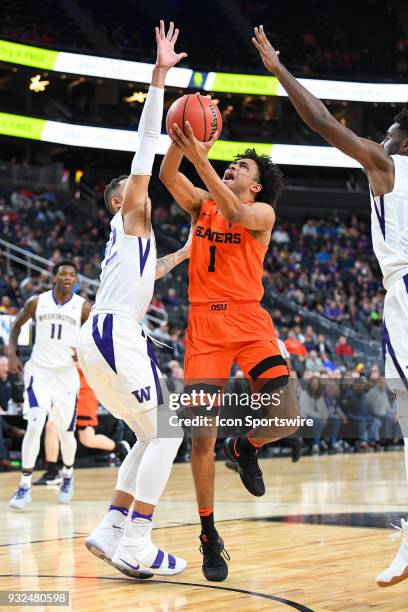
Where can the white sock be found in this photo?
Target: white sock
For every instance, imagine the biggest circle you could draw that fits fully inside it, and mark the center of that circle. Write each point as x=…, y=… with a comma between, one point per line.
x=67, y=472
x=138, y=527
x=114, y=517
x=25, y=481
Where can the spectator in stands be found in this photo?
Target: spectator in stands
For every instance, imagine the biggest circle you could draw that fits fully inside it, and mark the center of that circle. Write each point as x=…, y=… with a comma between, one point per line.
x=171, y=298
x=322, y=346
x=294, y=346
x=5, y=428
x=313, y=362
x=378, y=404
x=5, y=384
x=368, y=427
x=161, y=333
x=312, y=405
x=280, y=236
x=375, y=373
x=328, y=364
x=6, y=306
x=310, y=339
x=333, y=311
x=336, y=417
x=309, y=229
x=343, y=348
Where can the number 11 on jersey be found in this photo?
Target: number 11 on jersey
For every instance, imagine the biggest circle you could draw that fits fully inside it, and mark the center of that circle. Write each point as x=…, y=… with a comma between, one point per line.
x=56, y=331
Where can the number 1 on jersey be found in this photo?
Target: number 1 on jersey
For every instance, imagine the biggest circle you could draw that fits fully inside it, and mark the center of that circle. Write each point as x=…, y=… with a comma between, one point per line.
x=54, y=327
x=211, y=267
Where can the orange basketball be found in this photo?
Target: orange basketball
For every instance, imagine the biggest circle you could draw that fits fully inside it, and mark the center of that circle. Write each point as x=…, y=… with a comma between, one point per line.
x=202, y=114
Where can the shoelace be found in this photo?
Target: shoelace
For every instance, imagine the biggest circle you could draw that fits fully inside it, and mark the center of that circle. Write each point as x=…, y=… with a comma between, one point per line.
x=400, y=532
x=21, y=492
x=215, y=549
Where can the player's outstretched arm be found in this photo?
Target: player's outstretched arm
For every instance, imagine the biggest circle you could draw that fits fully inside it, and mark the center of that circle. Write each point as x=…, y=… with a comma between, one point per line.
x=315, y=114
x=259, y=216
x=168, y=262
x=85, y=311
x=25, y=314
x=181, y=188
x=135, y=194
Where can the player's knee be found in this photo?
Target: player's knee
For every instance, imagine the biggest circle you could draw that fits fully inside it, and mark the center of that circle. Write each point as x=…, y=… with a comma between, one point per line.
x=50, y=427
x=284, y=404
x=36, y=420
x=203, y=446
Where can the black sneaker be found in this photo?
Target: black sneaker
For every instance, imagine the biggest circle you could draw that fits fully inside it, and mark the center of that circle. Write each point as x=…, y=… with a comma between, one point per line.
x=297, y=449
x=214, y=557
x=248, y=468
x=49, y=478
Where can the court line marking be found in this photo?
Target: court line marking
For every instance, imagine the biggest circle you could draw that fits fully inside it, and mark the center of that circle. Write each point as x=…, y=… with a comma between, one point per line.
x=286, y=602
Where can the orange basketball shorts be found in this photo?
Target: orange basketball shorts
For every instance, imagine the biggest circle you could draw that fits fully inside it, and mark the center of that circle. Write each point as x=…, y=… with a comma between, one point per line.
x=222, y=333
x=87, y=405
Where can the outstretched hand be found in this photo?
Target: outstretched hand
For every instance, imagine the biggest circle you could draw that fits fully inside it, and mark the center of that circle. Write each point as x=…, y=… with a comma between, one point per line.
x=269, y=56
x=166, y=55
x=195, y=150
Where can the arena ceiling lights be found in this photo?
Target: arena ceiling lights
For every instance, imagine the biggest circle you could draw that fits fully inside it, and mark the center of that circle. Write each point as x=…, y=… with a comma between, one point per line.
x=125, y=70
x=125, y=140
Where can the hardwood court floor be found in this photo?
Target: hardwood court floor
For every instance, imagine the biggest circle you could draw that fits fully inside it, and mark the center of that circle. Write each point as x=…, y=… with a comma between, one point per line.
x=315, y=541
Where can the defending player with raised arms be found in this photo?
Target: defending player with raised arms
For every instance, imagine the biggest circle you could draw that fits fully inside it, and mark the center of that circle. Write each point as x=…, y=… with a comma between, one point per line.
x=50, y=376
x=386, y=166
x=117, y=360
x=234, y=221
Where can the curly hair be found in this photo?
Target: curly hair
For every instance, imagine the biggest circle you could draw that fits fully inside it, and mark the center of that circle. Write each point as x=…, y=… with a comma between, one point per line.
x=270, y=176
x=402, y=120
x=110, y=190
x=64, y=262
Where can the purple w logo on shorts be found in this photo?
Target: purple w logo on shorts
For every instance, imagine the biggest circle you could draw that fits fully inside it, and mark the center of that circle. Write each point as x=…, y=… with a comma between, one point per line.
x=142, y=395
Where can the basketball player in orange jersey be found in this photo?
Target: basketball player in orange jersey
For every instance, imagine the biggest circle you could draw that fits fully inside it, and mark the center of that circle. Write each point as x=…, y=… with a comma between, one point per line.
x=233, y=225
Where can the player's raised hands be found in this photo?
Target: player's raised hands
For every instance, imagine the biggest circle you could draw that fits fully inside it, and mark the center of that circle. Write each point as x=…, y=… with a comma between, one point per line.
x=166, y=55
x=269, y=56
x=193, y=149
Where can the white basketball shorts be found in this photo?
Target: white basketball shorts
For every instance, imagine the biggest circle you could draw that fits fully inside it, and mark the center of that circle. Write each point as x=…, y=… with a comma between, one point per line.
x=55, y=389
x=394, y=340
x=121, y=368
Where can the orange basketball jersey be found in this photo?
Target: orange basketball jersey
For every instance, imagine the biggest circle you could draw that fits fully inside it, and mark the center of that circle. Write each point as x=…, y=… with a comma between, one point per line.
x=226, y=262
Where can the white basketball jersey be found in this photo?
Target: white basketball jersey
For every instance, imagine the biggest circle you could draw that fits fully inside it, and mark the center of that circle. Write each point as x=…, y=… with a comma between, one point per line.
x=56, y=331
x=389, y=225
x=128, y=273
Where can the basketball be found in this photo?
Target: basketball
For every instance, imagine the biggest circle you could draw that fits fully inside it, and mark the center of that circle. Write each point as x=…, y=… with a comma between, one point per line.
x=202, y=114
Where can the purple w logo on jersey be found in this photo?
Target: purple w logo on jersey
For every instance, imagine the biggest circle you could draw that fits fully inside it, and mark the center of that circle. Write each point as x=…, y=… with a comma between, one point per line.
x=142, y=395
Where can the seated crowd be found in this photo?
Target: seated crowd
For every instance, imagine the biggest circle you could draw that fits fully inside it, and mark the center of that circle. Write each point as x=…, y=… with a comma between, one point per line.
x=325, y=266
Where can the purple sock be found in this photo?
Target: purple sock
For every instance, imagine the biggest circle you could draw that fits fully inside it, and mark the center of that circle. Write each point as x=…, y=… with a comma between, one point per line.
x=124, y=511
x=140, y=515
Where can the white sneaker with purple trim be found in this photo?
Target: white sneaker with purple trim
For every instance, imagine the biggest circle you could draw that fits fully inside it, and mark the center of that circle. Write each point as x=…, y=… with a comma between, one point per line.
x=398, y=570
x=136, y=553
x=21, y=498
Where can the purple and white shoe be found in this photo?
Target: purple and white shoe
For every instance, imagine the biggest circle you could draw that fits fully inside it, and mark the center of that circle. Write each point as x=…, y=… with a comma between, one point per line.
x=136, y=554
x=21, y=498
